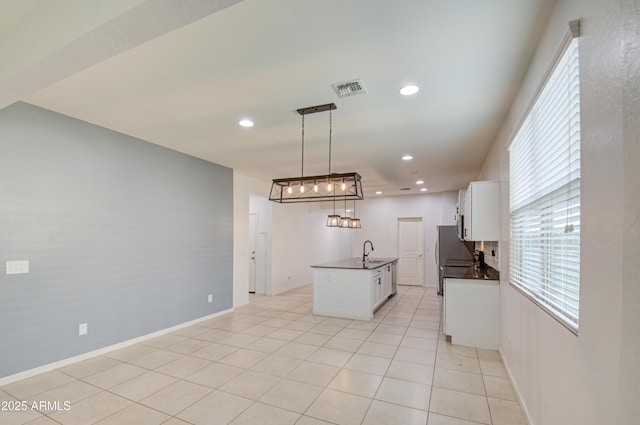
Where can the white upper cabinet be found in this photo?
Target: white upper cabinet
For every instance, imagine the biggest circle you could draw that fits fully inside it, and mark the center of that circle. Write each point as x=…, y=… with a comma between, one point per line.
x=460, y=206
x=482, y=211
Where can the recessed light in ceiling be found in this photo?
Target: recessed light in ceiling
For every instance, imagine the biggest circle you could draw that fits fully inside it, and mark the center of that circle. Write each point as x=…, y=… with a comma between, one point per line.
x=407, y=158
x=423, y=189
x=378, y=192
x=409, y=90
x=245, y=123
x=420, y=182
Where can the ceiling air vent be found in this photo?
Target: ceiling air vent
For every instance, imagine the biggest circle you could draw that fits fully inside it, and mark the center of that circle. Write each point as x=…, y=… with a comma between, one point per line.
x=349, y=88
x=405, y=188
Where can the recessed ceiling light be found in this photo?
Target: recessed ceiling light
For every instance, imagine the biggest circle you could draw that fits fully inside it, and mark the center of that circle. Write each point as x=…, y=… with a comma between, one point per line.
x=407, y=158
x=409, y=90
x=246, y=123
x=378, y=192
x=420, y=182
x=423, y=189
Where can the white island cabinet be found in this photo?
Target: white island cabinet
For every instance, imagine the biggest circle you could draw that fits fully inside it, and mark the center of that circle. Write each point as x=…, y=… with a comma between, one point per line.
x=351, y=289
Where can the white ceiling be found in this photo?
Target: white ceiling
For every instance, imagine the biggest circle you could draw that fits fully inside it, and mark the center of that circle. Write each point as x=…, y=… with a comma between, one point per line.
x=187, y=89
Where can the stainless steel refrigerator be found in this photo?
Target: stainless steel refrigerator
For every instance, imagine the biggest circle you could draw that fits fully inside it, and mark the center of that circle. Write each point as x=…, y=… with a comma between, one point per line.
x=451, y=252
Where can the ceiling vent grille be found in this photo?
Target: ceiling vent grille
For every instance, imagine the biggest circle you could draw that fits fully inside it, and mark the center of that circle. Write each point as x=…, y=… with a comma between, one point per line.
x=349, y=88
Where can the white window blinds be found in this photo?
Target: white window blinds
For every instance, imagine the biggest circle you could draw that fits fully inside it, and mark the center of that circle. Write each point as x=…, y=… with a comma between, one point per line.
x=544, y=256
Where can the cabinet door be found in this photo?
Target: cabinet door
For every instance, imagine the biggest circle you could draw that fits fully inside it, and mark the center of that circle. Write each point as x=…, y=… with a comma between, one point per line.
x=467, y=214
x=375, y=296
x=482, y=211
x=472, y=309
x=444, y=307
x=460, y=207
x=380, y=288
x=387, y=280
x=376, y=288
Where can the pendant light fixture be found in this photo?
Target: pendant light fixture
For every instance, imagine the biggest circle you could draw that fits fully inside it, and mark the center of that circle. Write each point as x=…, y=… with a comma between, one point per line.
x=345, y=222
x=355, y=222
x=333, y=220
x=313, y=188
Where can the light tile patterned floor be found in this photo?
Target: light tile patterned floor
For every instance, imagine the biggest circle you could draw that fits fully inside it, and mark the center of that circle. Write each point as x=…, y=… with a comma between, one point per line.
x=273, y=362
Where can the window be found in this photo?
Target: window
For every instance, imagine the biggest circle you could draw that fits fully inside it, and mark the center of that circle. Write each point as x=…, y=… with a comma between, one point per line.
x=544, y=162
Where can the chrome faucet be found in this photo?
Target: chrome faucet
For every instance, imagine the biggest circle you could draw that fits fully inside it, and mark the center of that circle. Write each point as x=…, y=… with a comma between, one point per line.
x=364, y=254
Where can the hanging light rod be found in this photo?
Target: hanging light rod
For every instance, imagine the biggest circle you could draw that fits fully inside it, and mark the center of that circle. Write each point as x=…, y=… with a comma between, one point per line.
x=318, y=188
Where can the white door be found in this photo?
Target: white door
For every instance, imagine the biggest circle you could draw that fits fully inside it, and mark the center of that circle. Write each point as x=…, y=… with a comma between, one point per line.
x=410, y=251
x=253, y=248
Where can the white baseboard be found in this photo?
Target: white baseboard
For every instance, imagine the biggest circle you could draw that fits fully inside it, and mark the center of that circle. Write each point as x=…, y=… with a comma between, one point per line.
x=523, y=406
x=70, y=360
x=290, y=288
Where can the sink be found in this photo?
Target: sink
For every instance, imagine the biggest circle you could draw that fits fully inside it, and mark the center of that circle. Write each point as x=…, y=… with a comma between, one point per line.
x=373, y=261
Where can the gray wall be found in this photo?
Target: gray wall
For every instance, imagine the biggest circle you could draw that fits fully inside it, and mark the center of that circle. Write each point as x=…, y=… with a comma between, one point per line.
x=124, y=235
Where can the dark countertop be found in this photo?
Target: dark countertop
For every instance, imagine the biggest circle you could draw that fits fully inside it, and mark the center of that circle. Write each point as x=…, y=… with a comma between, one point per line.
x=488, y=273
x=356, y=264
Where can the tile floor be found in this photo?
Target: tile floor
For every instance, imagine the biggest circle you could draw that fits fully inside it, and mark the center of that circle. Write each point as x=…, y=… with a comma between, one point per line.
x=273, y=362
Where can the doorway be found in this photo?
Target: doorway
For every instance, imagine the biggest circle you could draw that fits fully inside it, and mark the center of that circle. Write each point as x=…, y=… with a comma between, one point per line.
x=410, y=251
x=253, y=249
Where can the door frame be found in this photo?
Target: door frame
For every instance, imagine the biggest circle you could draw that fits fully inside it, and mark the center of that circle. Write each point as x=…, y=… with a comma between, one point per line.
x=253, y=251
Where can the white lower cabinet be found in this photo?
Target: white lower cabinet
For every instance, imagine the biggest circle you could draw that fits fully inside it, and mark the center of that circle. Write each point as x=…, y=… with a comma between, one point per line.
x=471, y=312
x=378, y=295
x=388, y=279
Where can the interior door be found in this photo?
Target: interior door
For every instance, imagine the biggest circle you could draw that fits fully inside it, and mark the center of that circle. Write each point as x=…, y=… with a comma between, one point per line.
x=253, y=248
x=410, y=251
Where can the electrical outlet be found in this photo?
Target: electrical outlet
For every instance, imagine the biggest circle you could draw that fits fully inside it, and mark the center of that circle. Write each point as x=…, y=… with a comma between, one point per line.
x=17, y=267
x=83, y=329
x=210, y=298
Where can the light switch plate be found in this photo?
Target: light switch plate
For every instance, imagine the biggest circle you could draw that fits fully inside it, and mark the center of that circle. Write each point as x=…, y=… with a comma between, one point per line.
x=17, y=267
x=82, y=329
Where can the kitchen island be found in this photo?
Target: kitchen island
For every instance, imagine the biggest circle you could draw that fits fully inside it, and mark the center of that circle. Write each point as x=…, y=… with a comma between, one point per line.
x=352, y=288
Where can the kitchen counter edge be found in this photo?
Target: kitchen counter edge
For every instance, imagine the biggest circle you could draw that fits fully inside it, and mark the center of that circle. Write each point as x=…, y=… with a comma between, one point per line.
x=487, y=273
x=356, y=264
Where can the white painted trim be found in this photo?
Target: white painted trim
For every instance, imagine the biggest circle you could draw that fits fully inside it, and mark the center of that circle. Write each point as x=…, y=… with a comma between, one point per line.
x=287, y=289
x=70, y=360
x=247, y=302
x=523, y=406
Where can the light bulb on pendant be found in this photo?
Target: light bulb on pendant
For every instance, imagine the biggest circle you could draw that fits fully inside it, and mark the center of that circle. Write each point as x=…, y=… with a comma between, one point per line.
x=289, y=189
x=355, y=222
x=315, y=186
x=301, y=188
x=343, y=186
x=329, y=187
